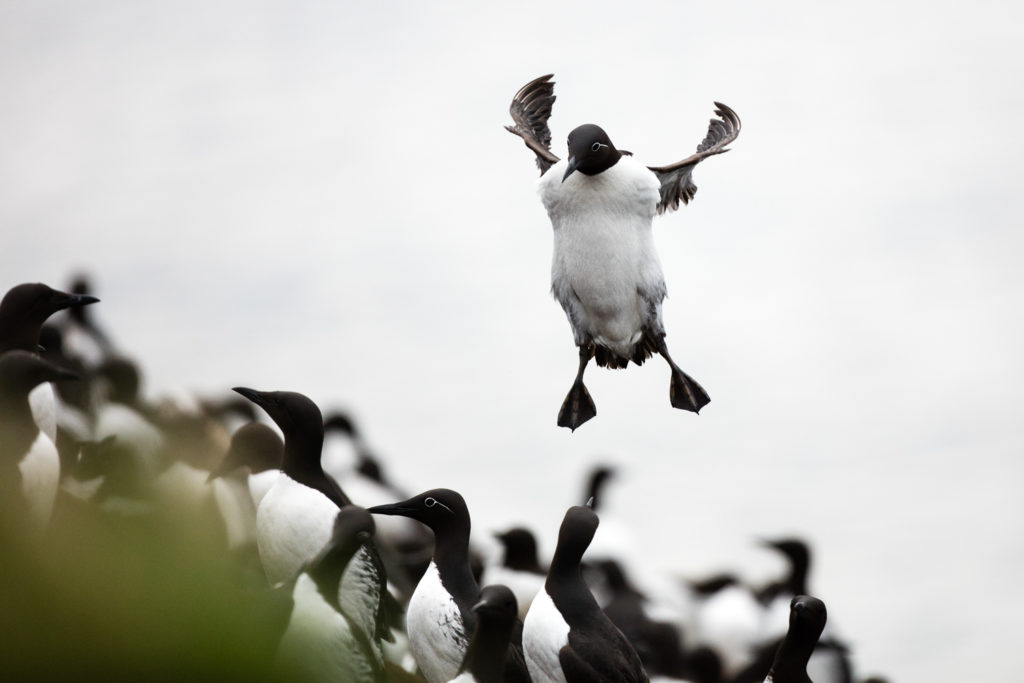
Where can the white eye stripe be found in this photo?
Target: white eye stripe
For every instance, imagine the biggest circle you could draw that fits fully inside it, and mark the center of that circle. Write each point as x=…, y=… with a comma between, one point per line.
x=597, y=146
x=431, y=502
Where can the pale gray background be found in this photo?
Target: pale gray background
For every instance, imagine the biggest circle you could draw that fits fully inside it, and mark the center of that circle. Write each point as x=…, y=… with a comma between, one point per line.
x=320, y=197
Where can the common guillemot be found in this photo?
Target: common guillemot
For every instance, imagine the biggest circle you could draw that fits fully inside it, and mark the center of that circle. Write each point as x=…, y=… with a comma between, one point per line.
x=566, y=636
x=605, y=271
x=440, y=617
x=295, y=518
x=807, y=618
x=324, y=640
x=29, y=463
x=496, y=614
x=23, y=310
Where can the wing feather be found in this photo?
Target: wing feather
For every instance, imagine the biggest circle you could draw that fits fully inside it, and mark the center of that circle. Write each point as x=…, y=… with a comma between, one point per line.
x=530, y=110
x=676, y=179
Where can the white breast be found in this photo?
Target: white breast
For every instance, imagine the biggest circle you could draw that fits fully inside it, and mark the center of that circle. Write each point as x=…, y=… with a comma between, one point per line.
x=261, y=483
x=293, y=524
x=604, y=250
x=545, y=633
x=730, y=622
x=436, y=634
x=40, y=477
x=318, y=643
x=236, y=509
x=43, y=401
x=132, y=429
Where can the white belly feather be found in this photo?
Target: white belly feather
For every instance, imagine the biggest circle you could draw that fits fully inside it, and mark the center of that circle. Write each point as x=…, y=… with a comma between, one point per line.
x=545, y=633
x=437, y=636
x=605, y=269
x=293, y=524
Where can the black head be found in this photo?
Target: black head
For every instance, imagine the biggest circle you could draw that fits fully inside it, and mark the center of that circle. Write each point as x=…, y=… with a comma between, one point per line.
x=590, y=151
x=497, y=604
x=599, y=476
x=577, y=531
x=256, y=446
x=293, y=412
x=21, y=371
x=25, y=308
x=437, y=508
x=520, y=548
x=341, y=423
x=794, y=549
x=353, y=526
x=122, y=378
x=807, y=617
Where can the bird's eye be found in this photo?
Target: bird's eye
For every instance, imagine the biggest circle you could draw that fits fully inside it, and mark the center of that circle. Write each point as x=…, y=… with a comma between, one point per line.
x=596, y=147
x=432, y=502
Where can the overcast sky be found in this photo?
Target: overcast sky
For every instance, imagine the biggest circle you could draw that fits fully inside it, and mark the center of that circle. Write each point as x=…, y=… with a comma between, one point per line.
x=320, y=197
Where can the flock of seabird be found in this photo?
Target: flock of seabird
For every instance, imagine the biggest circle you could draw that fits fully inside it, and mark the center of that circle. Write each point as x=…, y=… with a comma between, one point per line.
x=374, y=584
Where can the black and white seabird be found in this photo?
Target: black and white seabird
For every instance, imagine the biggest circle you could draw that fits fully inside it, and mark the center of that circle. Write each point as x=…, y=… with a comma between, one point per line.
x=257, y=450
x=23, y=310
x=295, y=519
x=807, y=617
x=440, y=617
x=324, y=641
x=29, y=463
x=496, y=614
x=566, y=636
x=253, y=461
x=605, y=271
x=519, y=569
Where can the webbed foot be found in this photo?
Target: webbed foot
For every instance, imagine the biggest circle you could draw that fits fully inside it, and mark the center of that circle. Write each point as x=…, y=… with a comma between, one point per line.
x=685, y=393
x=577, y=408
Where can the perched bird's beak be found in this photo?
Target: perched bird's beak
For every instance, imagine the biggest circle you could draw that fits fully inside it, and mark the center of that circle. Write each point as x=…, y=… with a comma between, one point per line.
x=573, y=164
x=75, y=301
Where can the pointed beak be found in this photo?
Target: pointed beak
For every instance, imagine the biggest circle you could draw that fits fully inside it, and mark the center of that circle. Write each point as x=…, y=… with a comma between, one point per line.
x=76, y=300
x=570, y=168
x=251, y=394
x=58, y=374
x=399, y=509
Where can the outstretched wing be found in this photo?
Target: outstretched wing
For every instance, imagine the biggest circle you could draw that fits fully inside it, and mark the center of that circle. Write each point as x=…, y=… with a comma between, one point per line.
x=530, y=110
x=676, y=181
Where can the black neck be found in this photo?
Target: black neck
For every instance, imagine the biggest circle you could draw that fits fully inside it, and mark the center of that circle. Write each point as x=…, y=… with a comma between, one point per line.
x=487, y=652
x=451, y=555
x=301, y=462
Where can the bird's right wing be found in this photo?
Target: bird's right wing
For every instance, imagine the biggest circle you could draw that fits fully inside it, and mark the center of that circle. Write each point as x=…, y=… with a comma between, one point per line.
x=530, y=110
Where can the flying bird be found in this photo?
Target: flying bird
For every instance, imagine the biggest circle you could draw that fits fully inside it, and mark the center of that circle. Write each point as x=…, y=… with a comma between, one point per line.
x=605, y=271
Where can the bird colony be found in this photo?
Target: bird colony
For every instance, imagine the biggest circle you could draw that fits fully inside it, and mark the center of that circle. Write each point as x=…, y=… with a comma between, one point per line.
x=209, y=537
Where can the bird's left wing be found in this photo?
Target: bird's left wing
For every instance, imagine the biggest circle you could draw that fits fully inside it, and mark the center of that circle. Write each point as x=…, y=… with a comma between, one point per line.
x=676, y=181
x=530, y=110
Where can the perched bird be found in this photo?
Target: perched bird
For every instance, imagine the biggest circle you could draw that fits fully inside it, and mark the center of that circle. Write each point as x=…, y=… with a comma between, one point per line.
x=243, y=477
x=519, y=569
x=605, y=271
x=658, y=644
x=777, y=595
x=323, y=640
x=295, y=519
x=807, y=617
x=23, y=310
x=488, y=648
x=440, y=617
x=29, y=463
x=255, y=451
x=566, y=636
